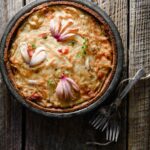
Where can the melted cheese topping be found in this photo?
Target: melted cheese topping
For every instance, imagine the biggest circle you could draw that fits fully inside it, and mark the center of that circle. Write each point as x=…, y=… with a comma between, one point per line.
x=86, y=57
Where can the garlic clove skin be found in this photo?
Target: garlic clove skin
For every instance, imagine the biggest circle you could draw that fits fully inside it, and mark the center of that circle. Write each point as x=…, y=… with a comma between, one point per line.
x=24, y=52
x=38, y=57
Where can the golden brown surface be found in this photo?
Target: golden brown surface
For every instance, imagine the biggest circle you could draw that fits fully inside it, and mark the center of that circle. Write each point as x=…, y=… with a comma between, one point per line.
x=82, y=52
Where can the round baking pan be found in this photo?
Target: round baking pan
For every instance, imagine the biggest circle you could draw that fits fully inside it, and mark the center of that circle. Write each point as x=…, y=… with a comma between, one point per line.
x=105, y=20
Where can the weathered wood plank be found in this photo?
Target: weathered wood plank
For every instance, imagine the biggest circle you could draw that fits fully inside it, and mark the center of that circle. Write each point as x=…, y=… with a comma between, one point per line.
x=72, y=134
x=118, y=10
x=139, y=55
x=29, y=1
x=10, y=111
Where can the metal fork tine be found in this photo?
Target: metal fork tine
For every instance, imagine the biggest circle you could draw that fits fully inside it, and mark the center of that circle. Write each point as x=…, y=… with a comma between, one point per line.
x=117, y=134
x=107, y=133
x=93, y=119
x=96, y=119
x=110, y=135
x=101, y=123
x=114, y=132
x=105, y=126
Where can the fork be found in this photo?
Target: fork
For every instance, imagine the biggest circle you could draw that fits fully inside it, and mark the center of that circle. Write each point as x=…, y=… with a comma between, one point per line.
x=108, y=117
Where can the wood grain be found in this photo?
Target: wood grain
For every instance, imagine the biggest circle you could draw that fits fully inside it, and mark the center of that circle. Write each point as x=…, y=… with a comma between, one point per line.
x=72, y=134
x=10, y=111
x=139, y=54
x=29, y=1
x=31, y=131
x=118, y=10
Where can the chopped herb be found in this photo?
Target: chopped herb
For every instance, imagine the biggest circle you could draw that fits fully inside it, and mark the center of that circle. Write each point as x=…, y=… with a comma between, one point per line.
x=84, y=47
x=33, y=46
x=84, y=41
x=72, y=43
x=78, y=55
x=83, y=51
x=50, y=82
x=48, y=59
x=45, y=37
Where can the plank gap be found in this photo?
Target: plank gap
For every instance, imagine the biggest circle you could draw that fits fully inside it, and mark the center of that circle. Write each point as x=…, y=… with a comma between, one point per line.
x=23, y=2
x=128, y=46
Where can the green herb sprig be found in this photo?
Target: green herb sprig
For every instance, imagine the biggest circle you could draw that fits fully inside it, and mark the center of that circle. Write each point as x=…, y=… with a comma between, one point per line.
x=33, y=46
x=72, y=43
x=82, y=53
x=50, y=82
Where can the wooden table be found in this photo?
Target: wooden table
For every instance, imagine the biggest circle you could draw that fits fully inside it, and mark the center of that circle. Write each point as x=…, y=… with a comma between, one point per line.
x=21, y=129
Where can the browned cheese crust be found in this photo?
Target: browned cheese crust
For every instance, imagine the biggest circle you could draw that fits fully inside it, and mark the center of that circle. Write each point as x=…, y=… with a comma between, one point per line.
x=62, y=58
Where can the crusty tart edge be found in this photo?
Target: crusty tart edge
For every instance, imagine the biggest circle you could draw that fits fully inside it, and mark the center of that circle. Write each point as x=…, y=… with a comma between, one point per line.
x=99, y=92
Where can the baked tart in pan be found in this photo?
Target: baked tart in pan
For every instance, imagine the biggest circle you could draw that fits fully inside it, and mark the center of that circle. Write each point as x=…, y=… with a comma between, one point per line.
x=60, y=56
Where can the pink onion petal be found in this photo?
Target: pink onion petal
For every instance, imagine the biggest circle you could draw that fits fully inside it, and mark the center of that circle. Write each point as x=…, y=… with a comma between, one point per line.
x=65, y=87
x=64, y=37
x=38, y=57
x=24, y=52
x=63, y=93
x=74, y=85
x=59, y=31
x=38, y=50
x=59, y=90
x=68, y=88
x=72, y=30
x=64, y=27
x=66, y=94
x=52, y=26
x=58, y=28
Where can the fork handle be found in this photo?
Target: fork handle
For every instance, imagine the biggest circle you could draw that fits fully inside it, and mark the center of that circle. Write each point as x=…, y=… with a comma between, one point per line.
x=140, y=73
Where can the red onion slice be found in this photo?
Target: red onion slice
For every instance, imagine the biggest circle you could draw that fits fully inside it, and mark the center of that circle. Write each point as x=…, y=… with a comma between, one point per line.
x=24, y=52
x=65, y=88
x=74, y=85
x=38, y=57
x=60, y=31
